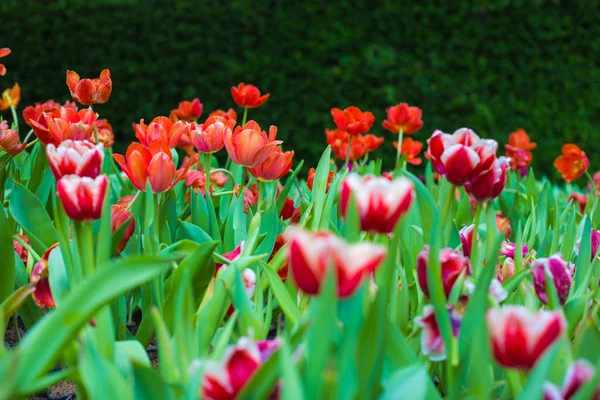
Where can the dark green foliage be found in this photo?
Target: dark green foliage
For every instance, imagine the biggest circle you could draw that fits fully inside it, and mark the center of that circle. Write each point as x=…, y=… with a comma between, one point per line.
x=494, y=67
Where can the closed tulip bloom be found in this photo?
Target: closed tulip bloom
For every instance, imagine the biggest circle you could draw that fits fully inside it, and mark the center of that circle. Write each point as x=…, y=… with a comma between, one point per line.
x=210, y=136
x=310, y=255
x=466, y=239
x=78, y=157
x=519, y=337
x=9, y=140
x=226, y=115
x=460, y=156
x=105, y=132
x=153, y=164
x=572, y=163
x=161, y=129
x=63, y=124
x=410, y=150
x=380, y=203
x=579, y=373
x=249, y=146
x=42, y=295
x=561, y=273
x=120, y=216
x=3, y=53
x=82, y=197
x=21, y=251
x=432, y=343
x=489, y=184
x=187, y=111
x=248, y=96
x=352, y=120
x=290, y=211
x=90, y=91
x=277, y=164
x=311, y=179
x=453, y=264
x=403, y=118
x=10, y=97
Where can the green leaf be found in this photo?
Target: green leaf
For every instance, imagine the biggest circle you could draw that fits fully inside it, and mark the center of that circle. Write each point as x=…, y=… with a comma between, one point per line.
x=15, y=300
x=411, y=382
x=287, y=304
x=288, y=186
x=7, y=267
x=319, y=187
x=535, y=384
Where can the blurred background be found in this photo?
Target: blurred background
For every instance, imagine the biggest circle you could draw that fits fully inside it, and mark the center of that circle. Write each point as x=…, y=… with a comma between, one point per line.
x=494, y=67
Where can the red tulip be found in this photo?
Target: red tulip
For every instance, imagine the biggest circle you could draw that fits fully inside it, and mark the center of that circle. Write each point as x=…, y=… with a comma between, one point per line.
x=210, y=136
x=248, y=96
x=453, y=264
x=82, y=197
x=311, y=179
x=561, y=273
x=274, y=167
x=310, y=255
x=227, y=115
x=196, y=179
x=64, y=124
x=460, y=156
x=3, y=53
x=187, y=111
x=489, y=184
x=231, y=256
x=154, y=164
x=572, y=163
x=410, y=150
x=35, y=112
x=579, y=373
x=161, y=129
x=10, y=97
x=21, y=251
x=105, y=133
x=519, y=337
x=9, y=140
x=249, y=146
x=518, y=150
x=119, y=216
x=580, y=199
x=78, y=157
x=403, y=118
x=432, y=343
x=42, y=295
x=279, y=243
x=90, y=91
x=380, y=203
x=352, y=120
x=360, y=146
x=290, y=211
x=466, y=239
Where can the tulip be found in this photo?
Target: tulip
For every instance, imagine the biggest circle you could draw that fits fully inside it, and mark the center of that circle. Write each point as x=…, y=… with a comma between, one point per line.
x=561, y=273
x=120, y=216
x=10, y=97
x=210, y=136
x=249, y=146
x=42, y=295
x=310, y=255
x=248, y=96
x=453, y=264
x=410, y=150
x=9, y=140
x=161, y=129
x=21, y=251
x=225, y=379
x=290, y=211
x=496, y=290
x=78, y=157
x=489, y=184
x=277, y=164
x=154, y=164
x=82, y=197
x=580, y=199
x=403, y=118
x=360, y=146
x=65, y=123
x=105, y=133
x=508, y=249
x=187, y=111
x=518, y=150
x=231, y=256
x=196, y=180
x=432, y=343
x=227, y=115
x=503, y=225
x=352, y=120
x=380, y=203
x=279, y=243
x=90, y=91
x=466, y=239
x=460, y=156
x=519, y=337
x=506, y=269
x=126, y=201
x=311, y=179
x=579, y=373
x=35, y=112
x=572, y=163
x=3, y=53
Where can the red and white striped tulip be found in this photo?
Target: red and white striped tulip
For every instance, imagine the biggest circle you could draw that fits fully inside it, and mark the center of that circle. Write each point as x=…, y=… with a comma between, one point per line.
x=561, y=272
x=578, y=374
x=82, y=197
x=42, y=295
x=466, y=238
x=489, y=184
x=75, y=157
x=519, y=337
x=311, y=254
x=432, y=344
x=453, y=264
x=381, y=203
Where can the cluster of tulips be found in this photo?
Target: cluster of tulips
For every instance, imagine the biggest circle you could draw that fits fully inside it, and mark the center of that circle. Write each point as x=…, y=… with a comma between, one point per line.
x=472, y=280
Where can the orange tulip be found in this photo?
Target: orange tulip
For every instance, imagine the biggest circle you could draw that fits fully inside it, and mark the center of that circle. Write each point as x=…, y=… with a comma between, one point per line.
x=249, y=146
x=209, y=137
x=3, y=53
x=360, y=146
x=274, y=167
x=352, y=120
x=403, y=118
x=161, y=129
x=36, y=111
x=572, y=163
x=120, y=216
x=248, y=96
x=410, y=150
x=187, y=111
x=105, y=133
x=63, y=124
x=229, y=114
x=519, y=149
x=154, y=164
x=10, y=97
x=311, y=179
x=9, y=140
x=90, y=91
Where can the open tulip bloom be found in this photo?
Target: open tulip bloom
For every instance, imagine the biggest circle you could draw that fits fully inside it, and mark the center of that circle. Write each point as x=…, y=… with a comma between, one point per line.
x=461, y=274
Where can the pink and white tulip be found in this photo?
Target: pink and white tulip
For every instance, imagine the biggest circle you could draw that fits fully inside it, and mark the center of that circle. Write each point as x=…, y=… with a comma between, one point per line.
x=489, y=184
x=578, y=374
x=82, y=197
x=432, y=344
x=75, y=157
x=466, y=238
x=453, y=264
x=561, y=273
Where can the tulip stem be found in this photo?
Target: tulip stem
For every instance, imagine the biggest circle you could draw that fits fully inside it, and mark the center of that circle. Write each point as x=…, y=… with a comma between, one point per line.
x=514, y=382
x=399, y=160
x=13, y=110
x=245, y=117
x=28, y=136
x=207, y=174
x=27, y=247
x=83, y=232
x=32, y=143
x=348, y=151
x=243, y=180
x=446, y=213
x=478, y=209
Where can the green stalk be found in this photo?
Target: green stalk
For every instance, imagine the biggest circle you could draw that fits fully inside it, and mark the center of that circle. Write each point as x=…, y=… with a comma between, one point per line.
x=514, y=382
x=243, y=181
x=207, y=172
x=28, y=136
x=447, y=213
x=399, y=160
x=245, y=117
x=27, y=247
x=13, y=110
x=475, y=232
x=348, y=151
x=85, y=245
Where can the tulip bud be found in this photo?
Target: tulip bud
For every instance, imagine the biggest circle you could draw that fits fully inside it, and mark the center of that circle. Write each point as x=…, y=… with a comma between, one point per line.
x=248, y=96
x=519, y=337
x=561, y=273
x=82, y=197
x=119, y=216
x=453, y=263
x=249, y=146
x=78, y=157
x=466, y=238
x=489, y=184
x=42, y=295
x=579, y=373
x=432, y=343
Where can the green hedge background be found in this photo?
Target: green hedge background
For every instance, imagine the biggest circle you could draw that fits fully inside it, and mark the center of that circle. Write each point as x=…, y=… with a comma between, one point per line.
x=494, y=67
